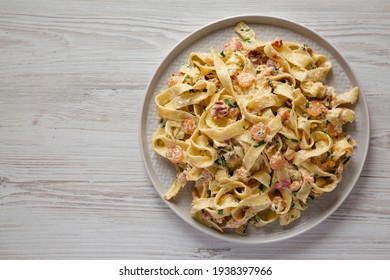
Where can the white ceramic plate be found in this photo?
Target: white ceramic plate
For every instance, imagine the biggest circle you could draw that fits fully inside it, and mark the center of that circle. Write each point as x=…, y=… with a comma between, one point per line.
x=162, y=172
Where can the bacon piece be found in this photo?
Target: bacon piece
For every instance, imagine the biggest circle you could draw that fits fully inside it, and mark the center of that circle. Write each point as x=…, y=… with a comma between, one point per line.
x=282, y=184
x=219, y=109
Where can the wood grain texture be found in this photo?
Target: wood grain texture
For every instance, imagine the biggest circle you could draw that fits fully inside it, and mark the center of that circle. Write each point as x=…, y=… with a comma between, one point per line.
x=72, y=181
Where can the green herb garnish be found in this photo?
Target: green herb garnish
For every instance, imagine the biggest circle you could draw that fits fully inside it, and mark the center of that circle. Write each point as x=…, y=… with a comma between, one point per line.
x=292, y=204
x=244, y=229
x=346, y=159
x=220, y=161
x=222, y=54
x=247, y=40
x=162, y=123
x=261, y=187
x=227, y=102
x=294, y=140
x=255, y=219
x=307, y=105
x=261, y=143
x=220, y=212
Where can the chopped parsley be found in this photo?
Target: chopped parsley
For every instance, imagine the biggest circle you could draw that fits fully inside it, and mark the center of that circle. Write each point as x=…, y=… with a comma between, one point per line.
x=244, y=30
x=228, y=103
x=291, y=139
x=221, y=161
x=220, y=212
x=304, y=47
x=162, y=123
x=346, y=159
x=244, y=229
x=261, y=143
x=255, y=219
x=247, y=40
x=261, y=187
x=307, y=105
x=222, y=54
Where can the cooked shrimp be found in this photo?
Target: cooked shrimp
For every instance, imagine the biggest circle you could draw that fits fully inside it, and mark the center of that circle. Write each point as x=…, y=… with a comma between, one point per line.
x=316, y=108
x=295, y=186
x=243, y=174
x=308, y=179
x=277, y=161
x=278, y=204
x=173, y=80
x=284, y=114
x=232, y=46
x=233, y=112
x=188, y=125
x=259, y=131
x=334, y=129
x=245, y=80
x=328, y=166
x=175, y=154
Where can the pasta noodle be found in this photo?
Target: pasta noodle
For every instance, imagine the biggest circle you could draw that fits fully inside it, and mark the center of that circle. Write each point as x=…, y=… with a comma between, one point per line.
x=255, y=129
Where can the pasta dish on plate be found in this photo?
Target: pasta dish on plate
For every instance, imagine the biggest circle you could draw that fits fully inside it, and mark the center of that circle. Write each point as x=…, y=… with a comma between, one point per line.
x=255, y=129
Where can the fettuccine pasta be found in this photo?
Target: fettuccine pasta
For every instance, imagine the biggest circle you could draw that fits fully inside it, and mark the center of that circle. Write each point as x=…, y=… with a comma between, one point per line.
x=256, y=130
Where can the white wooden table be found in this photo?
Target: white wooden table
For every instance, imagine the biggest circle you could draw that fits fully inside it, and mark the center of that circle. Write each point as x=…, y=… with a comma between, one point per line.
x=73, y=75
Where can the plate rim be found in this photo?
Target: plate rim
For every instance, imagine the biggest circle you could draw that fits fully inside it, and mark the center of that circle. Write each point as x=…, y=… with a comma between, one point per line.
x=223, y=23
